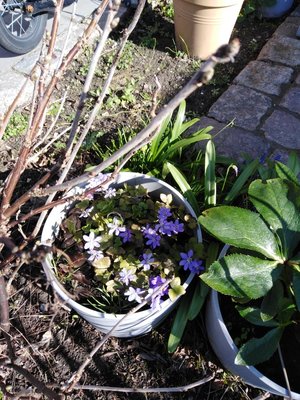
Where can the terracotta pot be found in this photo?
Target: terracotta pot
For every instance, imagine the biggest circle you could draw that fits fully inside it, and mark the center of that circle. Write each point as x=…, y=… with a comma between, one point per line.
x=136, y=324
x=202, y=26
x=226, y=351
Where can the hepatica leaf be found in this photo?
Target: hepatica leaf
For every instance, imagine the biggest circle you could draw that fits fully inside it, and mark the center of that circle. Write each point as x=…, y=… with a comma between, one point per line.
x=241, y=276
x=278, y=201
x=241, y=228
x=253, y=315
x=256, y=351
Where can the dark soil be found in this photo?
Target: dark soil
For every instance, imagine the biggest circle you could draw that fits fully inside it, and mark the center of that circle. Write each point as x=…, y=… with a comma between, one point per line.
x=50, y=341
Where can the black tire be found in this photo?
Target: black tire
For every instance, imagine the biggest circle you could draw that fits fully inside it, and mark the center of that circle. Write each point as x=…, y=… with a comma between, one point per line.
x=26, y=40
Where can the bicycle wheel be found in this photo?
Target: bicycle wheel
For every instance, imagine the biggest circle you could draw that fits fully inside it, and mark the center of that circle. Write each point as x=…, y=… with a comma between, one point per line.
x=19, y=31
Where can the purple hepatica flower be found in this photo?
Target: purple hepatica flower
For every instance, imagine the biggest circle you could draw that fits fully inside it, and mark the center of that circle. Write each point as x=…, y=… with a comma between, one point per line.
x=186, y=260
x=156, y=281
x=91, y=241
x=126, y=276
x=196, y=266
x=110, y=193
x=153, y=240
x=134, y=294
x=165, y=228
x=164, y=213
x=115, y=227
x=126, y=235
x=147, y=260
x=94, y=255
x=178, y=227
x=148, y=231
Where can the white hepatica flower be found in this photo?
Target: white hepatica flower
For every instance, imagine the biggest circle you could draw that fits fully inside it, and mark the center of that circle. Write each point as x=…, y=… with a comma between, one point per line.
x=92, y=241
x=115, y=227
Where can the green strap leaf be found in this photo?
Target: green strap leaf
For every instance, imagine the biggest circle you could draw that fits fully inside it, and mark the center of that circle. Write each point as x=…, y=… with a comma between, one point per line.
x=179, y=324
x=240, y=275
x=176, y=131
x=253, y=315
x=256, y=351
x=241, y=181
x=278, y=201
x=241, y=228
x=294, y=163
x=198, y=299
x=184, y=186
x=210, y=174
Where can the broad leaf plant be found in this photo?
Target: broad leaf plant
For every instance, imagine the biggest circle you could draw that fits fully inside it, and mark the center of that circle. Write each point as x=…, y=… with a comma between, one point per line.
x=264, y=262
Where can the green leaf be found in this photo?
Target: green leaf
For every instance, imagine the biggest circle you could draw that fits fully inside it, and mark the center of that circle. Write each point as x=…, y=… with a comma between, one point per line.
x=294, y=163
x=210, y=196
x=176, y=289
x=278, y=201
x=181, y=144
x=287, y=310
x=156, y=147
x=240, y=275
x=179, y=324
x=198, y=299
x=256, y=351
x=241, y=181
x=176, y=131
x=271, y=302
x=296, y=285
x=253, y=315
x=284, y=172
x=184, y=187
x=240, y=228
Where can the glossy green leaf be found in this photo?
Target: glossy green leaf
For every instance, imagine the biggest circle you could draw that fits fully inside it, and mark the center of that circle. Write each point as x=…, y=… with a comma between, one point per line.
x=285, y=172
x=271, y=302
x=247, y=172
x=253, y=315
x=184, y=186
x=287, y=310
x=278, y=202
x=256, y=351
x=179, y=324
x=296, y=285
x=210, y=195
x=240, y=275
x=240, y=228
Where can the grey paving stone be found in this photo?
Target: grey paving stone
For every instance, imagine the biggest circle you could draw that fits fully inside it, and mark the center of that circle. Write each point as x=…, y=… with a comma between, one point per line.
x=281, y=49
x=296, y=12
x=288, y=28
x=298, y=79
x=10, y=88
x=291, y=100
x=265, y=77
x=284, y=129
x=233, y=142
x=244, y=105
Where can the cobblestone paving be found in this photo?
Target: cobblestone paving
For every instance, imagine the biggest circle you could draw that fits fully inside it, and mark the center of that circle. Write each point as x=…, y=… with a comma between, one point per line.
x=263, y=101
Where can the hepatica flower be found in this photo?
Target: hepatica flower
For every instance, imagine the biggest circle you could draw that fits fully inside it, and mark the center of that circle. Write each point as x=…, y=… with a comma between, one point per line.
x=189, y=263
x=147, y=260
x=115, y=227
x=133, y=244
x=92, y=241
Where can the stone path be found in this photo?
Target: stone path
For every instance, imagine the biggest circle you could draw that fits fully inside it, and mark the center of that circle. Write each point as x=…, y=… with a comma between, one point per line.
x=263, y=101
